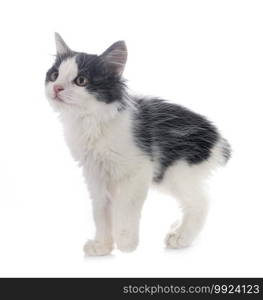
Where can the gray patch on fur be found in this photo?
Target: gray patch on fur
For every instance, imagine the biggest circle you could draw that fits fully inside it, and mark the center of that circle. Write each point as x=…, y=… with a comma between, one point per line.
x=226, y=150
x=168, y=132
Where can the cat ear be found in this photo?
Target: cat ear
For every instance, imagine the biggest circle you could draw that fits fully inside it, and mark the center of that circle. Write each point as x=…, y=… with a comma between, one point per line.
x=61, y=46
x=116, y=56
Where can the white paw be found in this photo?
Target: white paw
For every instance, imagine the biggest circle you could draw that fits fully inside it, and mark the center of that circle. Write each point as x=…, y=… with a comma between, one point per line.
x=96, y=248
x=127, y=242
x=177, y=238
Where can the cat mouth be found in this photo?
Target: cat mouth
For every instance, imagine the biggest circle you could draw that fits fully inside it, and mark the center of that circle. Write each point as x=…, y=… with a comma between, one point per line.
x=58, y=98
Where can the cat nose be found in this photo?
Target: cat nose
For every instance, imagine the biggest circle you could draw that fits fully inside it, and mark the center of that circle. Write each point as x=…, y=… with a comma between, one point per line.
x=57, y=88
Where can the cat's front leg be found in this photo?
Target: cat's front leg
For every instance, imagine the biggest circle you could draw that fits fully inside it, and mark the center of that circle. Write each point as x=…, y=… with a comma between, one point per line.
x=127, y=202
x=102, y=244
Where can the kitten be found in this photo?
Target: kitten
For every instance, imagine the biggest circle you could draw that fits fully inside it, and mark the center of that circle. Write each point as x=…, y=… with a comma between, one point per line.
x=125, y=144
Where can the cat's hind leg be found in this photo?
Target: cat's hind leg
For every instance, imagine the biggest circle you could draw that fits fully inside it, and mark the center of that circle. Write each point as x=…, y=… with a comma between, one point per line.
x=194, y=206
x=186, y=184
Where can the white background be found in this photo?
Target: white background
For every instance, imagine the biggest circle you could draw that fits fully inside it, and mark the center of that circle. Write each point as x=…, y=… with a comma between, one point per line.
x=206, y=55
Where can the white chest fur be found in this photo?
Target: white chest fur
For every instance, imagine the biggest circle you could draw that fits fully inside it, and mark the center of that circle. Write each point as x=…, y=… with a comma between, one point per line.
x=105, y=149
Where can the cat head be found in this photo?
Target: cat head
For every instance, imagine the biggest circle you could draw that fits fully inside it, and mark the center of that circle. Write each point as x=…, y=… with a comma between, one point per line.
x=87, y=83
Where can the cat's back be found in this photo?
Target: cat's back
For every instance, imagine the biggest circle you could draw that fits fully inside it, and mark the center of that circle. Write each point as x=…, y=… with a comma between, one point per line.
x=169, y=132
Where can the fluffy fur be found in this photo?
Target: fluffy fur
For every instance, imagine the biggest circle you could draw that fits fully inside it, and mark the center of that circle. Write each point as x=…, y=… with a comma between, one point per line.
x=125, y=144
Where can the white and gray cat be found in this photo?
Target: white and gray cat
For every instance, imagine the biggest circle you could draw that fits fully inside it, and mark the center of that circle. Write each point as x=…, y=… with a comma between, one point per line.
x=125, y=144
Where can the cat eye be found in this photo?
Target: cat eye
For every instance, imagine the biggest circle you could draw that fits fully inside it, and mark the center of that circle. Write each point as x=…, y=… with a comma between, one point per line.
x=53, y=76
x=81, y=81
